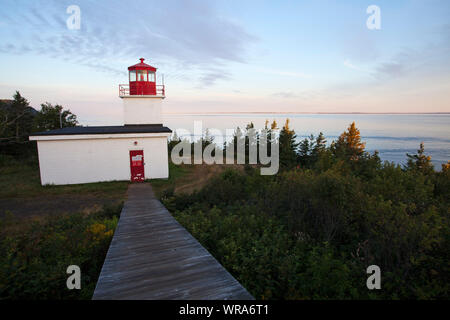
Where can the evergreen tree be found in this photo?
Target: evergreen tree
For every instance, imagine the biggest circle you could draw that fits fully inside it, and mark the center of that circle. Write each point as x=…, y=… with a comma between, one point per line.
x=274, y=125
x=318, y=148
x=349, y=145
x=446, y=167
x=250, y=129
x=320, y=145
x=270, y=135
x=238, y=137
x=174, y=140
x=288, y=147
x=16, y=121
x=250, y=126
x=420, y=162
x=304, y=152
x=207, y=139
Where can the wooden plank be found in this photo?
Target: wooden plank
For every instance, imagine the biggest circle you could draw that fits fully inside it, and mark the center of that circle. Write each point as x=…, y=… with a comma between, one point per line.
x=152, y=256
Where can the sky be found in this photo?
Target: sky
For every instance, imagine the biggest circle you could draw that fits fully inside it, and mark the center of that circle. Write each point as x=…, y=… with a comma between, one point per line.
x=229, y=56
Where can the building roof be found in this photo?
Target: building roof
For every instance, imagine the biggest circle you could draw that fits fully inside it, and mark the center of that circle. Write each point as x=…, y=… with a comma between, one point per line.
x=142, y=66
x=144, y=128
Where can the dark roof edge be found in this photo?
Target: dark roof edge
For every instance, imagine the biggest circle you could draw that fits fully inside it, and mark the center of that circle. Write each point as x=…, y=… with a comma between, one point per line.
x=147, y=125
x=104, y=130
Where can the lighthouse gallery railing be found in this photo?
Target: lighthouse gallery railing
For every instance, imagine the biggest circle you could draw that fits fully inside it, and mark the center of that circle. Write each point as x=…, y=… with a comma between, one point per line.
x=124, y=90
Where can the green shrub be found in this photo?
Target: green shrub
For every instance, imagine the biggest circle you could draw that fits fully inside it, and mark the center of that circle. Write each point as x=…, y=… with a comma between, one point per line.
x=311, y=234
x=34, y=257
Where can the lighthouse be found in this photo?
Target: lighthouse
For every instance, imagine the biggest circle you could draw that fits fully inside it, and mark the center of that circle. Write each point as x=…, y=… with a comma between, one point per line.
x=142, y=97
x=135, y=151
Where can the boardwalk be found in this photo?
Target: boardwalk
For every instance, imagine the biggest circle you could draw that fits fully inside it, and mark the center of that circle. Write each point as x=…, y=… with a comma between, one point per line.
x=152, y=256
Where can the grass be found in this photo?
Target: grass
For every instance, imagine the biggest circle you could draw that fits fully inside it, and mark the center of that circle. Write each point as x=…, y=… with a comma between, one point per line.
x=23, y=196
x=187, y=178
x=177, y=173
x=20, y=178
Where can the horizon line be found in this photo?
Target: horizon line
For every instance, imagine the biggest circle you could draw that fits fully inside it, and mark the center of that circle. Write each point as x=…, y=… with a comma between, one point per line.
x=293, y=112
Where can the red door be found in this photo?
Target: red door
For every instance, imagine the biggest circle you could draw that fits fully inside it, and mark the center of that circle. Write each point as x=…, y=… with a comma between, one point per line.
x=137, y=165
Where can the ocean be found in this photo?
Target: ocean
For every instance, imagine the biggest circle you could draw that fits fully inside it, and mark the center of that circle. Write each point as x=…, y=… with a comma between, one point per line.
x=393, y=135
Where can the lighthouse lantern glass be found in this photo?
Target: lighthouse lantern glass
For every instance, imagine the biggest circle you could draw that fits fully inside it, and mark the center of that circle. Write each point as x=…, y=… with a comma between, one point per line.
x=142, y=75
x=142, y=80
x=132, y=75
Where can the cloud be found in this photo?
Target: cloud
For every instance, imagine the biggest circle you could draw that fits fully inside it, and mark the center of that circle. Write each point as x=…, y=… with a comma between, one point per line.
x=405, y=62
x=360, y=45
x=283, y=73
x=350, y=65
x=285, y=95
x=431, y=58
x=391, y=69
x=180, y=36
x=209, y=78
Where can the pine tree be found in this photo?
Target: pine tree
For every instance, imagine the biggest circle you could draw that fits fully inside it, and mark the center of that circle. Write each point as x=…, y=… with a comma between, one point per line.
x=288, y=147
x=173, y=141
x=420, y=162
x=270, y=135
x=320, y=144
x=349, y=145
x=21, y=118
x=274, y=125
x=207, y=139
x=304, y=152
x=253, y=144
x=238, y=138
x=446, y=167
x=318, y=148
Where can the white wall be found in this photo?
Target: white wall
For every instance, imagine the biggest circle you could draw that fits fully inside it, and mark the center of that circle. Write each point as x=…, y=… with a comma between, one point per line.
x=97, y=159
x=142, y=110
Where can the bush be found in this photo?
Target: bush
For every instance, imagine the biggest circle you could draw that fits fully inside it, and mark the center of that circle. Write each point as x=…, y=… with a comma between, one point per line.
x=311, y=234
x=34, y=257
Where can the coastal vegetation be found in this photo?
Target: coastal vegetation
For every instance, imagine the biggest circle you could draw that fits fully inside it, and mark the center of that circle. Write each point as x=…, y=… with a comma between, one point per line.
x=311, y=231
x=34, y=255
x=44, y=229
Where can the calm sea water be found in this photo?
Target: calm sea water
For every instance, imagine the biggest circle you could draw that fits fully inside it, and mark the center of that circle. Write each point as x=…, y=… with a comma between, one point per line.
x=393, y=135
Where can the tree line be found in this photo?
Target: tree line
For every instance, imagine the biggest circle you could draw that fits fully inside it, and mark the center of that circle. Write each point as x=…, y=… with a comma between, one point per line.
x=18, y=120
x=312, y=152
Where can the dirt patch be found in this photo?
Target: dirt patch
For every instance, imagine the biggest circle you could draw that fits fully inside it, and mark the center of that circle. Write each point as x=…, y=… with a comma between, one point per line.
x=199, y=176
x=55, y=204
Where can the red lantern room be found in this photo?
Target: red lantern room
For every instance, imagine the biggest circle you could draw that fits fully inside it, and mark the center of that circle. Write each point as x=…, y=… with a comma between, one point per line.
x=142, y=81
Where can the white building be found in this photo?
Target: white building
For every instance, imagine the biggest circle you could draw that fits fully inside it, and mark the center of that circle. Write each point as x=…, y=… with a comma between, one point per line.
x=135, y=151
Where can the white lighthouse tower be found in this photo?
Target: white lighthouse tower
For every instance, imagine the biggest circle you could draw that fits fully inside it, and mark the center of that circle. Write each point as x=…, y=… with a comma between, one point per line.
x=142, y=97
